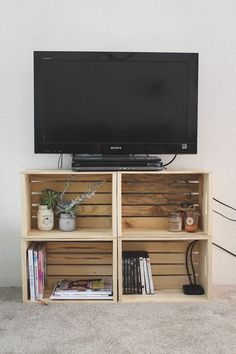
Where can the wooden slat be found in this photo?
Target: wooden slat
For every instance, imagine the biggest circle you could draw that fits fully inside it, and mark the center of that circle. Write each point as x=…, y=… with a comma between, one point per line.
x=84, y=210
x=152, y=210
x=161, y=187
x=64, y=270
x=159, y=178
x=75, y=187
x=146, y=199
x=98, y=198
x=167, y=258
x=90, y=222
x=87, y=258
x=169, y=282
x=148, y=222
x=79, y=247
x=170, y=269
x=72, y=177
x=158, y=246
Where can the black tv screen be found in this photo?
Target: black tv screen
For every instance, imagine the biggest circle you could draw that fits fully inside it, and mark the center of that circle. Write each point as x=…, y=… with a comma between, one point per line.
x=126, y=103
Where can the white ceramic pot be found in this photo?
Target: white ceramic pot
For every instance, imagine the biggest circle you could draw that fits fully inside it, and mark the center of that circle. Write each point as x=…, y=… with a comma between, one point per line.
x=45, y=218
x=67, y=222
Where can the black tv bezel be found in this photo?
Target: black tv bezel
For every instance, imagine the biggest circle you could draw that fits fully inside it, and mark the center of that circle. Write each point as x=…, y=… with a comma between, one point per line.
x=116, y=147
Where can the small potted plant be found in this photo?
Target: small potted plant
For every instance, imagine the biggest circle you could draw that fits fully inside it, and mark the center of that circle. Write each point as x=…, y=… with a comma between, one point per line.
x=48, y=202
x=68, y=209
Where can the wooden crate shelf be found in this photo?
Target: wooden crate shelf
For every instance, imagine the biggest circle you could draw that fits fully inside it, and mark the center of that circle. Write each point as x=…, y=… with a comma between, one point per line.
x=168, y=268
x=145, y=199
x=95, y=215
x=129, y=212
x=75, y=260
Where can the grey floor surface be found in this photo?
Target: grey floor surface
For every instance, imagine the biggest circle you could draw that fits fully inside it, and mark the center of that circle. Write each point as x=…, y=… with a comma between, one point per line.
x=165, y=328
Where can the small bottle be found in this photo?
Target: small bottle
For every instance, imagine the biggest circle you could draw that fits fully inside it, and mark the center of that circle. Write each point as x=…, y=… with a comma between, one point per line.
x=175, y=222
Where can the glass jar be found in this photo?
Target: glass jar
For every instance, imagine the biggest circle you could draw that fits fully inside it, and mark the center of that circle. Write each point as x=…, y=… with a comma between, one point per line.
x=45, y=218
x=175, y=222
x=191, y=221
x=67, y=222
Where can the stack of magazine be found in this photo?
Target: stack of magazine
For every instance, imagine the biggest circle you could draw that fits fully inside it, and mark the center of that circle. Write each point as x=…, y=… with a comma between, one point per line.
x=83, y=289
x=137, y=273
x=36, y=269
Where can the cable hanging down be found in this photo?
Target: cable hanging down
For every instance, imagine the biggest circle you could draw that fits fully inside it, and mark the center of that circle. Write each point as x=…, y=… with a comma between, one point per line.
x=168, y=163
x=220, y=202
x=60, y=162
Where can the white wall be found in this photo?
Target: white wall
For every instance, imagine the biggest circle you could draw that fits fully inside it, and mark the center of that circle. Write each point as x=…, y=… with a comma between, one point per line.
x=204, y=26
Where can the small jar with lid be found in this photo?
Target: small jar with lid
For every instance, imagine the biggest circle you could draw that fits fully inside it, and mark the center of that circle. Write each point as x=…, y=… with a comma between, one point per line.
x=175, y=222
x=191, y=220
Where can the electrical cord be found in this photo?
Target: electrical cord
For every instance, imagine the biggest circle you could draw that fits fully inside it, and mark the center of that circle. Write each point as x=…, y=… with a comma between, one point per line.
x=190, y=249
x=220, y=202
x=226, y=217
x=224, y=249
x=168, y=163
x=191, y=260
x=228, y=206
x=60, y=162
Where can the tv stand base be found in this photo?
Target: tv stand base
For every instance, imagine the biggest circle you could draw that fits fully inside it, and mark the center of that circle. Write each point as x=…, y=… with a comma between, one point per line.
x=97, y=162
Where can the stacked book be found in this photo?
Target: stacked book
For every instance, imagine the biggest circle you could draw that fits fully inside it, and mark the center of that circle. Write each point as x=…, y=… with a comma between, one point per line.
x=83, y=289
x=137, y=273
x=36, y=269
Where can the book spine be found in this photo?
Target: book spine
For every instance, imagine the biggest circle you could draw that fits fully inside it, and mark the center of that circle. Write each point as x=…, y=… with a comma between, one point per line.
x=126, y=278
x=147, y=286
x=132, y=275
x=44, y=277
x=36, y=273
x=40, y=272
x=150, y=275
x=31, y=273
x=123, y=275
x=135, y=275
x=142, y=275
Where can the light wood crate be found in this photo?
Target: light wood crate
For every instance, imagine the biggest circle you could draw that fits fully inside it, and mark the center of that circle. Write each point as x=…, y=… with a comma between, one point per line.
x=130, y=212
x=96, y=215
x=74, y=260
x=168, y=268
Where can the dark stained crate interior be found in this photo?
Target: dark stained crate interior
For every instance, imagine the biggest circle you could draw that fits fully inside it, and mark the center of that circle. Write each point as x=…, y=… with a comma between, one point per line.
x=148, y=199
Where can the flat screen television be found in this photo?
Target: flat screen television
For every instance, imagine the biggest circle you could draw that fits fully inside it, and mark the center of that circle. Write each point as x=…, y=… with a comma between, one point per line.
x=115, y=102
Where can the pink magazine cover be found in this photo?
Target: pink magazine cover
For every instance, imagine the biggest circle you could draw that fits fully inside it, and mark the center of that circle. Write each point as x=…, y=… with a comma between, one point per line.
x=40, y=271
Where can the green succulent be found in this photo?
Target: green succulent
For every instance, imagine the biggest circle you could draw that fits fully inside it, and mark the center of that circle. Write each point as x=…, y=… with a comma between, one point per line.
x=49, y=198
x=71, y=206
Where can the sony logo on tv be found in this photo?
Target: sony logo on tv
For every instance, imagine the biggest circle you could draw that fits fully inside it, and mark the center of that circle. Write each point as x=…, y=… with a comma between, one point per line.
x=115, y=147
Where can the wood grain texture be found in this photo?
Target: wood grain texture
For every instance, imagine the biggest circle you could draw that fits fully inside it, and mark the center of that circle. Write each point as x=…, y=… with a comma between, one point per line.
x=157, y=246
x=154, y=177
x=78, y=258
x=169, y=282
x=152, y=210
x=73, y=187
x=162, y=187
x=79, y=247
x=59, y=177
x=158, y=199
x=75, y=270
x=145, y=223
x=98, y=198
